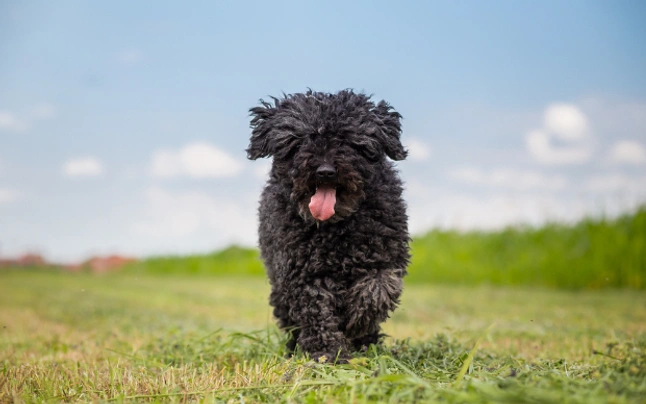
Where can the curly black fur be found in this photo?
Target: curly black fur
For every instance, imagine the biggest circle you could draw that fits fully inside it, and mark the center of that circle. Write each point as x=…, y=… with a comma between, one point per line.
x=333, y=281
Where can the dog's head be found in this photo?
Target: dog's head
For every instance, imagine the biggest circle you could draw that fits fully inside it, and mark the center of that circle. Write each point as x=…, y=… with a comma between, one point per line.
x=326, y=147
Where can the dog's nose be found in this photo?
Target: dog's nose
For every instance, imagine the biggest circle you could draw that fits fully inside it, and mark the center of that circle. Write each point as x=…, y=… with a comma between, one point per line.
x=326, y=172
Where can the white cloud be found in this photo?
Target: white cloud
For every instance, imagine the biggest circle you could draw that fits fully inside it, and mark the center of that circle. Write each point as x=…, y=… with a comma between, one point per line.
x=539, y=145
x=521, y=180
x=627, y=152
x=83, y=167
x=615, y=183
x=616, y=119
x=129, y=57
x=8, y=195
x=9, y=122
x=436, y=207
x=563, y=139
x=567, y=121
x=418, y=150
x=178, y=214
x=195, y=160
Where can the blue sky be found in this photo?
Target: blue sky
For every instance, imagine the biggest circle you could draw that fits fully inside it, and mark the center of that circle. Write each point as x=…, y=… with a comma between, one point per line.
x=123, y=124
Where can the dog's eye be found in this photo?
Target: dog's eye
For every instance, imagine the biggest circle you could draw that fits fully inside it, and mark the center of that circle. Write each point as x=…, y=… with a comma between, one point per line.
x=286, y=147
x=369, y=152
x=372, y=155
x=285, y=154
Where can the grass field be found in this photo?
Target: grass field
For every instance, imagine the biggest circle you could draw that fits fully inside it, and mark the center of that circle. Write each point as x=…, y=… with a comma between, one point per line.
x=127, y=337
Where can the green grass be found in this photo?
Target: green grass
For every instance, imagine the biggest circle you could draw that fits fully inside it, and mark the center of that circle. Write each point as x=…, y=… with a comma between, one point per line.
x=591, y=254
x=125, y=337
x=234, y=260
x=594, y=253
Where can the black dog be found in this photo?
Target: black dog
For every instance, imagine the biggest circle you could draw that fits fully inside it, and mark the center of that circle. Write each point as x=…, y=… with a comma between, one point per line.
x=333, y=225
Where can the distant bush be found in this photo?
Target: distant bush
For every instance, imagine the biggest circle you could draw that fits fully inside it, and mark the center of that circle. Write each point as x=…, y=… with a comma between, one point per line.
x=233, y=260
x=593, y=253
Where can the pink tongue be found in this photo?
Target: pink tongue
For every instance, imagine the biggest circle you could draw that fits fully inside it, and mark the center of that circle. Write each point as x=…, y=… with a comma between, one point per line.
x=322, y=203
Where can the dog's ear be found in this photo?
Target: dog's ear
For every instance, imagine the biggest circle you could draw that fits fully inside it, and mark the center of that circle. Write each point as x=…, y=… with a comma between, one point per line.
x=259, y=144
x=389, y=132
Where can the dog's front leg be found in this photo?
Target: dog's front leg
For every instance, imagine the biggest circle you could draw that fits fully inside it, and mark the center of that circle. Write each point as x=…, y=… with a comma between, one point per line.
x=316, y=312
x=368, y=303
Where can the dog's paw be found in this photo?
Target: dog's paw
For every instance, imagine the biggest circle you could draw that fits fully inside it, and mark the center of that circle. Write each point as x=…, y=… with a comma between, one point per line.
x=330, y=358
x=370, y=300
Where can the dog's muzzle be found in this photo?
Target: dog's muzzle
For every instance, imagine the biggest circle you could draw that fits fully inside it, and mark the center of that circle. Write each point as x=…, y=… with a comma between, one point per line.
x=324, y=199
x=326, y=173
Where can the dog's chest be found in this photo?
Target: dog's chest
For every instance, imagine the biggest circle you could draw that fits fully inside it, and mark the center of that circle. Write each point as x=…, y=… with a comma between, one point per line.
x=334, y=251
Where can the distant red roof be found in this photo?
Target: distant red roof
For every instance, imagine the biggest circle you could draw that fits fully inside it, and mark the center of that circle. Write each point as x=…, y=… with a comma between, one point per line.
x=107, y=264
x=25, y=260
x=94, y=264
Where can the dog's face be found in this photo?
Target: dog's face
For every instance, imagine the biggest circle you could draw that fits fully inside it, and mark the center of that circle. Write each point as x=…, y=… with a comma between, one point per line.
x=326, y=148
